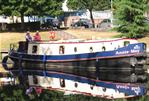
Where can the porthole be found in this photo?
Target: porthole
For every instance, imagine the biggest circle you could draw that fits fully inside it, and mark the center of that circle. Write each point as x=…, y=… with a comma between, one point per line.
x=91, y=87
x=91, y=49
x=75, y=49
x=103, y=48
x=76, y=85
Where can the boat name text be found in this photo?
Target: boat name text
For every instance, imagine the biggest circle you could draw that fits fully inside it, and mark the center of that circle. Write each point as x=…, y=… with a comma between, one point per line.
x=136, y=49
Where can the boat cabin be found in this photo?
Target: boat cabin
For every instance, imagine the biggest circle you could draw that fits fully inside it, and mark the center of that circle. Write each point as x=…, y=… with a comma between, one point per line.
x=67, y=47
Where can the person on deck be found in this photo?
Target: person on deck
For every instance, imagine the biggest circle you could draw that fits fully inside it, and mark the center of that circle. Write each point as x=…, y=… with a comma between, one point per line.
x=37, y=36
x=28, y=37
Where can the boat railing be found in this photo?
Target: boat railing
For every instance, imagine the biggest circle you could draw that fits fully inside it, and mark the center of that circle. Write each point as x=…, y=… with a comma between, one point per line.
x=3, y=53
x=13, y=46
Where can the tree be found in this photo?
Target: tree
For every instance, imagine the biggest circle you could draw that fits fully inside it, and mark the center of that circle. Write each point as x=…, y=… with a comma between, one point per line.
x=46, y=7
x=91, y=5
x=130, y=17
x=23, y=8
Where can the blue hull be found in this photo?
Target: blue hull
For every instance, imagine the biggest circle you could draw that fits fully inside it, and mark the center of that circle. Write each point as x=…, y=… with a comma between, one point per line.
x=130, y=50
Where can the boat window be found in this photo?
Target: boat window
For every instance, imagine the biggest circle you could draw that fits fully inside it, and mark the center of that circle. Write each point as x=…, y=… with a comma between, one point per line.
x=75, y=49
x=126, y=43
x=91, y=49
x=61, y=50
x=35, y=79
x=62, y=82
x=103, y=48
x=34, y=49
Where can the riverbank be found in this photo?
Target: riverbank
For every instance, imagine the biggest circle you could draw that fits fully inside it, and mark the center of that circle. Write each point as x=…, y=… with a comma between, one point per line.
x=13, y=37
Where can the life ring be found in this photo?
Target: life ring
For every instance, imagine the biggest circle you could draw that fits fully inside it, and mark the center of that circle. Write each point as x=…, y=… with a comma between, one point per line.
x=52, y=34
x=4, y=63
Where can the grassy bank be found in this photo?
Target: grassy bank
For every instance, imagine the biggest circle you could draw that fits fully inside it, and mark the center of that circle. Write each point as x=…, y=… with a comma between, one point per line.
x=88, y=34
x=12, y=37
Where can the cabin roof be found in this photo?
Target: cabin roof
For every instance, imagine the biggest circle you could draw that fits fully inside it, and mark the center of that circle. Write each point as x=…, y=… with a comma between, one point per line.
x=79, y=41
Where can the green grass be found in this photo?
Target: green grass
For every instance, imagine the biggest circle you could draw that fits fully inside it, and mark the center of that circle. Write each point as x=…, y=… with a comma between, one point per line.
x=8, y=38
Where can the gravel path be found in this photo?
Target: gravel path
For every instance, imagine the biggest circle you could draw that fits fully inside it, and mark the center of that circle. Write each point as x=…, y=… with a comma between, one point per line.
x=66, y=35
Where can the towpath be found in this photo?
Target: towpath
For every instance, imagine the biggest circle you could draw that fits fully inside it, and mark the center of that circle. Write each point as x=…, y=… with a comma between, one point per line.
x=66, y=35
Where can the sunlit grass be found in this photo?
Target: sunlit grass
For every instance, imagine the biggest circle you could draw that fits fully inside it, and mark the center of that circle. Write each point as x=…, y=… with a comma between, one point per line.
x=11, y=37
x=88, y=34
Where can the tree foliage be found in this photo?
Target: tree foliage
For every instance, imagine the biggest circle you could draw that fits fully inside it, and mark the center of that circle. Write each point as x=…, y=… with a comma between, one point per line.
x=130, y=17
x=91, y=5
x=13, y=93
x=23, y=8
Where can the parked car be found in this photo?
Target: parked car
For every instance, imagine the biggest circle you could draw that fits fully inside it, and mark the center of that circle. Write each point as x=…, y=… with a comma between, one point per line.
x=106, y=23
x=51, y=23
x=82, y=23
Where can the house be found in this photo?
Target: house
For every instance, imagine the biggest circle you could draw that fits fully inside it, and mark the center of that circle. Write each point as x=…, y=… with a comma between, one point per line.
x=70, y=17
